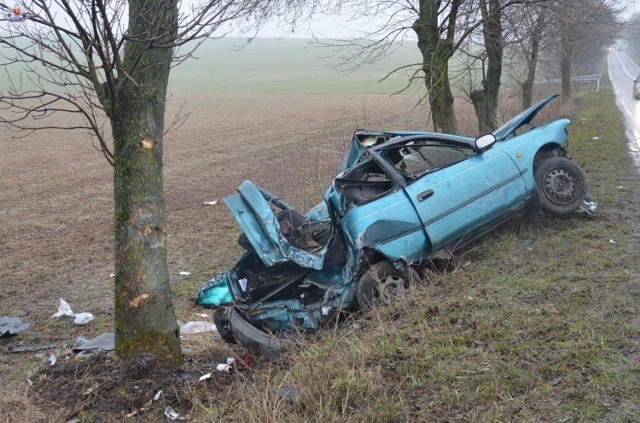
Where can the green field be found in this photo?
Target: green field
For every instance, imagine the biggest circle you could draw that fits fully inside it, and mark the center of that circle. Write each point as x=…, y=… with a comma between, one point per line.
x=268, y=65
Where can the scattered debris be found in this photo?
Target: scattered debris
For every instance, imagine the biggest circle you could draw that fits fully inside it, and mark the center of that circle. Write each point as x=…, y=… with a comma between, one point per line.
x=52, y=359
x=183, y=273
x=595, y=138
x=227, y=366
x=204, y=315
x=64, y=309
x=290, y=394
x=105, y=342
x=612, y=241
x=156, y=397
x=197, y=327
x=210, y=203
x=172, y=414
x=205, y=377
x=33, y=349
x=12, y=325
x=620, y=187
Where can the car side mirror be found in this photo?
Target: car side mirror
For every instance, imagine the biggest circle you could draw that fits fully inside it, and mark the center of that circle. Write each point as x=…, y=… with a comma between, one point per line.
x=485, y=142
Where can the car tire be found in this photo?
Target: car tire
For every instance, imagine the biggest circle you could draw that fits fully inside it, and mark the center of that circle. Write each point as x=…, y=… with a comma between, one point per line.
x=561, y=185
x=383, y=284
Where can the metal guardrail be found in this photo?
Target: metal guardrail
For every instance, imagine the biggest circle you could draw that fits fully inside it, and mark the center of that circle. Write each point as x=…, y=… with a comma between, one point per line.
x=585, y=79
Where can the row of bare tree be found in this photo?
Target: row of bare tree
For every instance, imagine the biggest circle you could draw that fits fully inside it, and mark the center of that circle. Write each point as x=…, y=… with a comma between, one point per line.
x=109, y=61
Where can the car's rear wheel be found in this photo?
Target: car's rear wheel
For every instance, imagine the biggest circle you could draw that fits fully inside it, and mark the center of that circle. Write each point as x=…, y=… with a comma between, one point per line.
x=383, y=284
x=561, y=184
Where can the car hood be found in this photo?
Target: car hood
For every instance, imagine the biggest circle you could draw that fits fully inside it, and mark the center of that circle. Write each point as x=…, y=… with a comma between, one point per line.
x=251, y=208
x=523, y=118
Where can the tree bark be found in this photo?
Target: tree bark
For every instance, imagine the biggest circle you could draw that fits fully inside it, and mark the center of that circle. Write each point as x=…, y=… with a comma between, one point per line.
x=565, y=66
x=144, y=315
x=485, y=101
x=436, y=52
x=532, y=62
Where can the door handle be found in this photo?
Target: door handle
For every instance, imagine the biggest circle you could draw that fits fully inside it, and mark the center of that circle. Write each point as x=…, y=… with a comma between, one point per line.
x=424, y=195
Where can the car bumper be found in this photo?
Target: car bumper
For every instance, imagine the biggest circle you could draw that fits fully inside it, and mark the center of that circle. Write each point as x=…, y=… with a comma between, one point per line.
x=259, y=343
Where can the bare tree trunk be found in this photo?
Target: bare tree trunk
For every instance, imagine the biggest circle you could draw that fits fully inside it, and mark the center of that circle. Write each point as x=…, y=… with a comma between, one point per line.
x=565, y=67
x=144, y=314
x=485, y=101
x=436, y=52
x=532, y=62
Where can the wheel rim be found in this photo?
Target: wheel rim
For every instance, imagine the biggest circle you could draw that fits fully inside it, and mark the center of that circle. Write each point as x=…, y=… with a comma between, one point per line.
x=390, y=288
x=560, y=185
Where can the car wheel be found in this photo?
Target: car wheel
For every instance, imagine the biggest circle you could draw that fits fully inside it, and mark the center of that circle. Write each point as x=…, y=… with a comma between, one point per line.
x=383, y=284
x=561, y=184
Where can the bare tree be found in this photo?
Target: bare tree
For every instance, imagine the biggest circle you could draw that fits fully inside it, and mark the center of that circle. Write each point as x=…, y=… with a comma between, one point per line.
x=108, y=62
x=485, y=99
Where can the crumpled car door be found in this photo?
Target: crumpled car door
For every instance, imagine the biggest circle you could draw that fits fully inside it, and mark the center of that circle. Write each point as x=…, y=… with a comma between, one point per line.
x=252, y=209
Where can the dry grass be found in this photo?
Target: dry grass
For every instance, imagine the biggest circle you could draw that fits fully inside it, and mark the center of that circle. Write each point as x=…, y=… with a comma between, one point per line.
x=415, y=361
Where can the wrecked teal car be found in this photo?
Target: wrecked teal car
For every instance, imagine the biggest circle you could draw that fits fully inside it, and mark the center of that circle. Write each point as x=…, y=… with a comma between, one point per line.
x=400, y=200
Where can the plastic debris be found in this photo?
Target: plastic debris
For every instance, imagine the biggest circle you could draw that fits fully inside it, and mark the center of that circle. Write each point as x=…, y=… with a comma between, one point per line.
x=83, y=318
x=204, y=315
x=33, y=349
x=64, y=309
x=612, y=241
x=197, y=327
x=12, y=325
x=526, y=244
x=595, y=138
x=156, y=397
x=171, y=413
x=105, y=341
x=210, y=203
x=205, y=377
x=224, y=368
x=184, y=273
x=52, y=359
x=230, y=360
x=326, y=309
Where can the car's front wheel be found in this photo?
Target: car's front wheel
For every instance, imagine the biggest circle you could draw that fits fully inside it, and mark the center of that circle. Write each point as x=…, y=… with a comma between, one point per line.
x=384, y=284
x=561, y=184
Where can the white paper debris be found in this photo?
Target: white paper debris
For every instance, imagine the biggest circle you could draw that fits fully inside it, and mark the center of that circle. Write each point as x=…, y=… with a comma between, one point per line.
x=223, y=367
x=185, y=273
x=595, y=138
x=63, y=310
x=205, y=377
x=612, y=241
x=325, y=310
x=171, y=413
x=83, y=318
x=243, y=284
x=197, y=327
x=210, y=203
x=52, y=359
x=112, y=275
x=156, y=397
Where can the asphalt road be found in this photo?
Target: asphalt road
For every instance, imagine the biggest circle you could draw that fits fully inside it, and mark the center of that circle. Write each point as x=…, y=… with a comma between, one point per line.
x=623, y=71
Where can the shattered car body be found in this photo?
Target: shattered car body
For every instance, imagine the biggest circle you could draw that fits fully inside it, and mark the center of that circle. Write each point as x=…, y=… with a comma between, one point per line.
x=401, y=199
